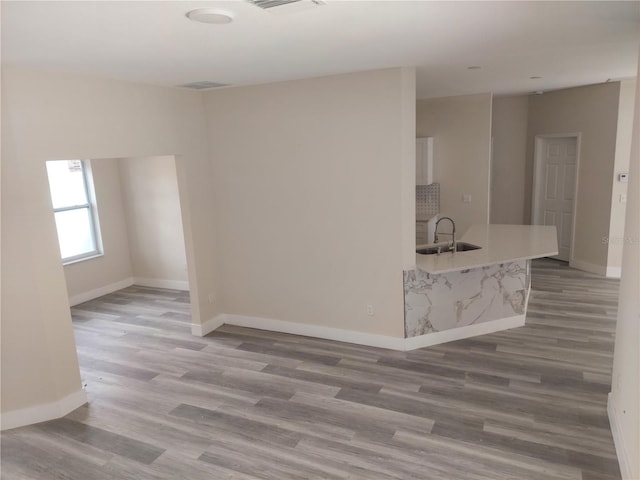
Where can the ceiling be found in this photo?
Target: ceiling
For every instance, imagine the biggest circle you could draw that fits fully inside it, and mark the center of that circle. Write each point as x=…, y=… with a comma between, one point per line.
x=565, y=43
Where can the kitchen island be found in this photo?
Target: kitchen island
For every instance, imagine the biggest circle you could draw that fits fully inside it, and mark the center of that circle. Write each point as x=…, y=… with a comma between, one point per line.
x=463, y=294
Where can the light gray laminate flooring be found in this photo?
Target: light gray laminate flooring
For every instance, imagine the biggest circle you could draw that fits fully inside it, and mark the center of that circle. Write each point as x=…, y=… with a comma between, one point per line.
x=528, y=403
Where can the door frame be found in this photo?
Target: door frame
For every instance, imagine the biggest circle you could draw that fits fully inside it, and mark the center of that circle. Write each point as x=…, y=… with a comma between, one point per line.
x=538, y=143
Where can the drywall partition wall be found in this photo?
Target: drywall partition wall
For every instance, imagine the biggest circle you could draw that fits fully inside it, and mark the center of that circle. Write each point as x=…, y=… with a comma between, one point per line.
x=309, y=189
x=591, y=111
x=97, y=276
x=49, y=115
x=624, y=400
x=408, y=166
x=154, y=221
x=509, y=131
x=461, y=127
x=38, y=357
x=621, y=165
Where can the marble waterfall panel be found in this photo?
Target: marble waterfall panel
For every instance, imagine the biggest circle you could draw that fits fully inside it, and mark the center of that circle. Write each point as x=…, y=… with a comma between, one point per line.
x=438, y=302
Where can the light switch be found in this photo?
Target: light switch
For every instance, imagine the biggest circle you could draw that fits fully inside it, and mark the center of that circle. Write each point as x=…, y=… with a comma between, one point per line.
x=466, y=198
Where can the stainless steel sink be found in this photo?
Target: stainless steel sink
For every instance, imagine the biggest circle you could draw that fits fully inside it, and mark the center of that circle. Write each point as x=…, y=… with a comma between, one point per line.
x=463, y=247
x=437, y=249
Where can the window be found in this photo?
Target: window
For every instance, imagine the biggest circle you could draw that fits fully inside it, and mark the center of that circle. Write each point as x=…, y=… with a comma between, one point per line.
x=69, y=183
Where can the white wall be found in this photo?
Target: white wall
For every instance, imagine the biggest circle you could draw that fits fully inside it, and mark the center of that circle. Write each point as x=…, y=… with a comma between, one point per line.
x=408, y=167
x=624, y=134
x=461, y=127
x=591, y=111
x=141, y=229
x=603, y=115
x=624, y=401
x=114, y=266
x=509, y=131
x=49, y=115
x=311, y=178
x=154, y=221
x=315, y=216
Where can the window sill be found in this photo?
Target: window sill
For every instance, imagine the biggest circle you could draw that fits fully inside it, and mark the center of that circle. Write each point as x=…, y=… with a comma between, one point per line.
x=82, y=259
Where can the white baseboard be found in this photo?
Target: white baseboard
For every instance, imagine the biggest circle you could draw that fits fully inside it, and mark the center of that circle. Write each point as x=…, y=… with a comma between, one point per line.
x=621, y=451
x=614, y=272
x=161, y=283
x=588, y=267
x=127, y=282
x=327, y=333
x=99, y=292
x=42, y=413
x=359, y=338
x=208, y=326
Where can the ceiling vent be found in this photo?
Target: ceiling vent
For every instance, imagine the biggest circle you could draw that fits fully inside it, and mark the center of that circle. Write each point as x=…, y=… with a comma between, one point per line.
x=287, y=6
x=203, y=85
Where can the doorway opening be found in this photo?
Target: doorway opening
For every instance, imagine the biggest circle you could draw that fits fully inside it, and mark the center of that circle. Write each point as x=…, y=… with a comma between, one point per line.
x=555, y=187
x=139, y=235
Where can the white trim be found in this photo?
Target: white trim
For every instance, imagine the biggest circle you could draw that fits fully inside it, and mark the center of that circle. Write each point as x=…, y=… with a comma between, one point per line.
x=588, y=267
x=42, y=413
x=200, y=330
x=127, y=282
x=618, y=440
x=82, y=259
x=162, y=283
x=359, y=338
x=327, y=333
x=538, y=139
x=99, y=292
x=89, y=206
x=614, y=272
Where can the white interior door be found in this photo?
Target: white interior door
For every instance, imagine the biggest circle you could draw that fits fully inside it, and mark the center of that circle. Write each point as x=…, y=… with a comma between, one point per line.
x=555, y=188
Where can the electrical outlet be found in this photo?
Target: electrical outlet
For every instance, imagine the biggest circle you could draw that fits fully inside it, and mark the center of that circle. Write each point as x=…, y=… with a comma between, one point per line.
x=623, y=198
x=212, y=297
x=370, y=310
x=466, y=198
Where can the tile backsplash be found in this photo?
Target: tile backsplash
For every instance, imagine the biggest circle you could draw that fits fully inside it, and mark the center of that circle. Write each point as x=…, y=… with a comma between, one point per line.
x=427, y=201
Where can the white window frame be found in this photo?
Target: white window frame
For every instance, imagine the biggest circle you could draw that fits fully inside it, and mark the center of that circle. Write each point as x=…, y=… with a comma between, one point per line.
x=87, y=179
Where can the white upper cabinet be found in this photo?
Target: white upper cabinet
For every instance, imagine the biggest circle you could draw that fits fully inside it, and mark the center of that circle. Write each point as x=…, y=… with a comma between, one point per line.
x=424, y=161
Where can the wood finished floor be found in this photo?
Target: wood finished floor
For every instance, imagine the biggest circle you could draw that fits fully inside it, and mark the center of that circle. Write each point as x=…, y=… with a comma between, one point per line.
x=528, y=403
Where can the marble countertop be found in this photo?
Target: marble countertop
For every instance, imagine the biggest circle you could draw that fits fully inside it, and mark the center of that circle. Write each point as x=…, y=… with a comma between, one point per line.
x=500, y=244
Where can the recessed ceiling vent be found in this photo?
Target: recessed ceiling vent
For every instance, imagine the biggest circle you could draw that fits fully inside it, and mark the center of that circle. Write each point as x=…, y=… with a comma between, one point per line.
x=203, y=85
x=287, y=6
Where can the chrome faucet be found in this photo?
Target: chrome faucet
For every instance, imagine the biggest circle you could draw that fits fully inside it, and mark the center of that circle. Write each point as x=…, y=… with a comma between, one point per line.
x=453, y=232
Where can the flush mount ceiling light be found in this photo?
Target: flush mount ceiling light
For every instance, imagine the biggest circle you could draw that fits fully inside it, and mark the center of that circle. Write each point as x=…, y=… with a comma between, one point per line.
x=210, y=15
x=203, y=85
